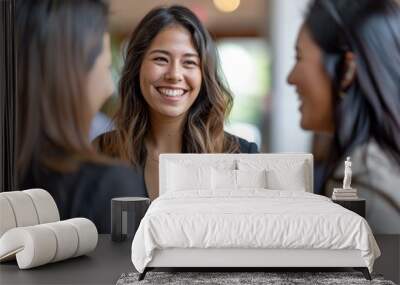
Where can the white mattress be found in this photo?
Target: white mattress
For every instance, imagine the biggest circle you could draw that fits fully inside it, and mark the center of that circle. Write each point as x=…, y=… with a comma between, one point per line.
x=251, y=218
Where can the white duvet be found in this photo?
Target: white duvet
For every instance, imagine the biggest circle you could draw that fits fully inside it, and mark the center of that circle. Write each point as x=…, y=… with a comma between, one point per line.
x=250, y=219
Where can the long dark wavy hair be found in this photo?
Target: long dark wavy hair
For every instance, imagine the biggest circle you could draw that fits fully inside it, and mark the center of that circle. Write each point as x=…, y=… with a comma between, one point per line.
x=204, y=127
x=57, y=45
x=370, y=108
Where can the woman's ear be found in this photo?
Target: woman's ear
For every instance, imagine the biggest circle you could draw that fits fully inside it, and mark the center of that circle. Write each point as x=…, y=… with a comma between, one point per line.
x=350, y=70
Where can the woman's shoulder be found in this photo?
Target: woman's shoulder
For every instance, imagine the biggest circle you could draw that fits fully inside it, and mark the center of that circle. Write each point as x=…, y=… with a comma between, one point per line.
x=381, y=168
x=244, y=145
x=107, y=171
x=372, y=168
x=115, y=177
x=88, y=177
x=370, y=159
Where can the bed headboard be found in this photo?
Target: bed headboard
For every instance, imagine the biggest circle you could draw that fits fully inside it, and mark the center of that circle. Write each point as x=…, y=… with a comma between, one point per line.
x=236, y=161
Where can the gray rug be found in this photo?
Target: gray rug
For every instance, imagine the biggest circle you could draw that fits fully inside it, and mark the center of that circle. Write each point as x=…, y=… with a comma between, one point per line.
x=230, y=278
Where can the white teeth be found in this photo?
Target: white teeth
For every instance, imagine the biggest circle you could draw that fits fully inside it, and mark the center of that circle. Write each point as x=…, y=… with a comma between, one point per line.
x=171, y=92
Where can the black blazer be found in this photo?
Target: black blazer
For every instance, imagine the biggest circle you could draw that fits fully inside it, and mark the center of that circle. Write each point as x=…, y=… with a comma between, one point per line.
x=88, y=192
x=247, y=147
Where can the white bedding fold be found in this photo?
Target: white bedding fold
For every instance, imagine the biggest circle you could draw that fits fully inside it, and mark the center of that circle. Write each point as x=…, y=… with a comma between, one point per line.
x=250, y=219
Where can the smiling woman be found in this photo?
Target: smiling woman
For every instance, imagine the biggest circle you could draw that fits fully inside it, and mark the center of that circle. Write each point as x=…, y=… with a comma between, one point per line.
x=172, y=97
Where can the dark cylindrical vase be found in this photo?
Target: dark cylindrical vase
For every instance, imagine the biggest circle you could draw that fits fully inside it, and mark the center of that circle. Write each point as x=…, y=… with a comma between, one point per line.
x=126, y=214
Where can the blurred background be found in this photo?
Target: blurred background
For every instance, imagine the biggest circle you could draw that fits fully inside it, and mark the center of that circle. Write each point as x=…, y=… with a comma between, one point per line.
x=255, y=41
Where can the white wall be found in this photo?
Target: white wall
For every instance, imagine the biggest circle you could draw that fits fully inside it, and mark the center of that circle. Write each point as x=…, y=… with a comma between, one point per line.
x=286, y=134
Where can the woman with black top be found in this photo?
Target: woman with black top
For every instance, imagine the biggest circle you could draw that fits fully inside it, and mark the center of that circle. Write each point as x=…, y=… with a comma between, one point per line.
x=173, y=98
x=63, y=62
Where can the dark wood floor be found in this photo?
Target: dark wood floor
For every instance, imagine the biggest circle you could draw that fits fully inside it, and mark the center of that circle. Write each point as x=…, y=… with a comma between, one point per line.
x=389, y=262
x=106, y=264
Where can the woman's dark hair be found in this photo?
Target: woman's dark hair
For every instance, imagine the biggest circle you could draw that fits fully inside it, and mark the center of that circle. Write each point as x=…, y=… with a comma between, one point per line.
x=370, y=108
x=57, y=42
x=204, y=128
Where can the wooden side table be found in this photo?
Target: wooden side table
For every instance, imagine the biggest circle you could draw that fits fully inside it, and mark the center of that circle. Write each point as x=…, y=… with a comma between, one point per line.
x=357, y=205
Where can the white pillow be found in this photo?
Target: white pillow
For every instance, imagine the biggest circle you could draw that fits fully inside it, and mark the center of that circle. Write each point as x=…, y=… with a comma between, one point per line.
x=235, y=179
x=293, y=178
x=251, y=178
x=281, y=174
x=182, y=177
x=223, y=179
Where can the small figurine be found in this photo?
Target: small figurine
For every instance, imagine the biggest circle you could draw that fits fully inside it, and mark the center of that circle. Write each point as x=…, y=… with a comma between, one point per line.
x=347, y=174
x=346, y=193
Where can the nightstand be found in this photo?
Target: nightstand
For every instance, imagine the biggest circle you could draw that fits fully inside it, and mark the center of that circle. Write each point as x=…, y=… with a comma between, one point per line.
x=357, y=205
x=126, y=214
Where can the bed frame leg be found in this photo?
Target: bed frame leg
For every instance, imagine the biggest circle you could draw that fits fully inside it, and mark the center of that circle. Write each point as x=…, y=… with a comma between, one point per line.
x=364, y=271
x=143, y=274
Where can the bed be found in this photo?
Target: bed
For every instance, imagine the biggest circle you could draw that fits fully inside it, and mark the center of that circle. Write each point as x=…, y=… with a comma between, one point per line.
x=247, y=211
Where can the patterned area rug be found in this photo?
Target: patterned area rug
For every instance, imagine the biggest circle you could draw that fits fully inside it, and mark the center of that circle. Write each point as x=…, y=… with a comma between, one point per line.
x=273, y=278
